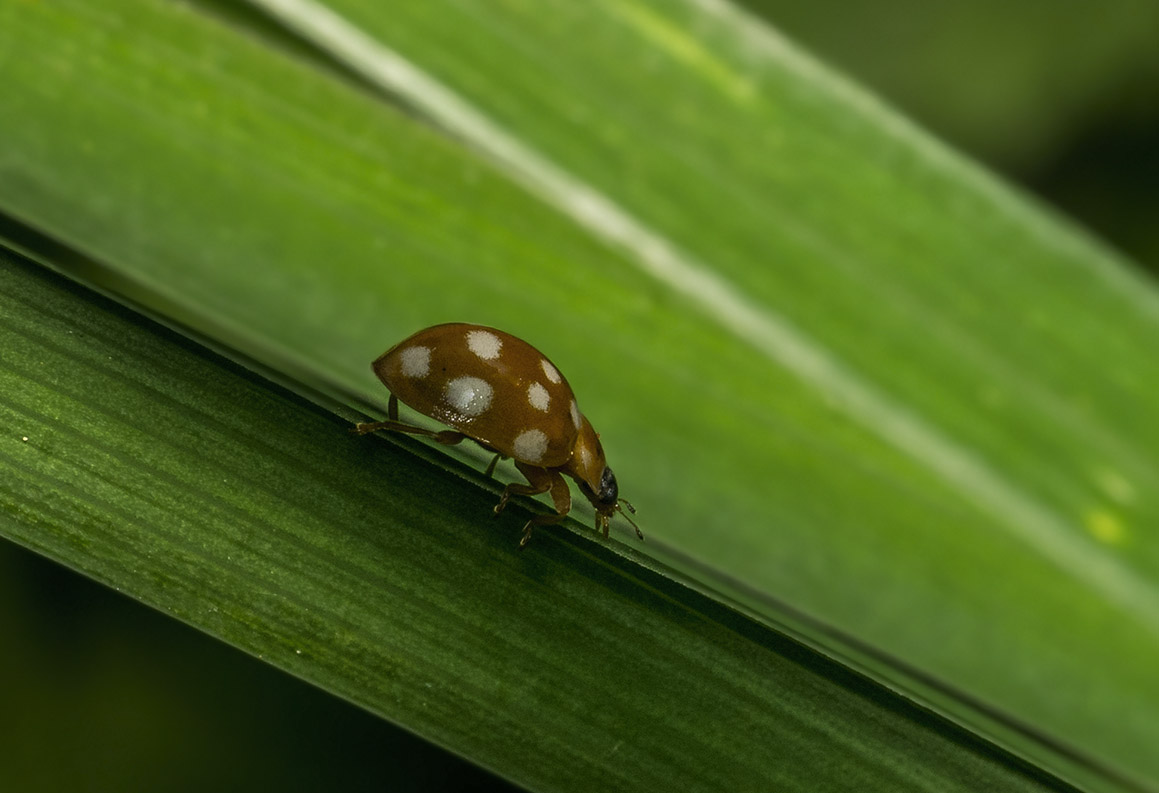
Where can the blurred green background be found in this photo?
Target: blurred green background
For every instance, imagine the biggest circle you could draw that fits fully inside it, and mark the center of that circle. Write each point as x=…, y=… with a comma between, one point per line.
x=1062, y=102
x=1060, y=99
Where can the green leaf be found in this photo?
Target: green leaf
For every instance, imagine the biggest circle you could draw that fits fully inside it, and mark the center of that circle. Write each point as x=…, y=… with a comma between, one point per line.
x=833, y=364
x=157, y=468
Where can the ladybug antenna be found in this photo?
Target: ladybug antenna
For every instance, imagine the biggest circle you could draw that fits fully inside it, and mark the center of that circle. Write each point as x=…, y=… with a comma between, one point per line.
x=631, y=509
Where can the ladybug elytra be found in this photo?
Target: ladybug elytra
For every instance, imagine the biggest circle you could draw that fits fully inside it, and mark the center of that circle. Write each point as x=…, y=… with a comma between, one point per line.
x=505, y=395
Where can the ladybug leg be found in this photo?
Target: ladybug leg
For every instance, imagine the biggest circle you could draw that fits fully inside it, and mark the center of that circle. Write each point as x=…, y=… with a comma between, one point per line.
x=491, y=466
x=561, y=495
x=540, y=480
x=446, y=437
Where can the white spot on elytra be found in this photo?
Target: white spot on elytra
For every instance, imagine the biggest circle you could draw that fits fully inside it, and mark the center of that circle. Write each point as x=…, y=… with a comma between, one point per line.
x=416, y=361
x=549, y=370
x=485, y=344
x=530, y=445
x=468, y=396
x=575, y=415
x=538, y=397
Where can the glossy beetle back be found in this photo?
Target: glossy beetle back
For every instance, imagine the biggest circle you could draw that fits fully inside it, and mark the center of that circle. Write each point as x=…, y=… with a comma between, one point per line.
x=489, y=385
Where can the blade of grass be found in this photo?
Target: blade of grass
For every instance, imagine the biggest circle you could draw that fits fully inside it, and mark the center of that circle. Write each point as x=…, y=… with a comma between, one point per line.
x=156, y=467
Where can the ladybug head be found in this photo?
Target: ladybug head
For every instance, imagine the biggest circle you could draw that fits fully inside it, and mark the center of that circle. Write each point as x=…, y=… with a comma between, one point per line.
x=596, y=480
x=608, y=491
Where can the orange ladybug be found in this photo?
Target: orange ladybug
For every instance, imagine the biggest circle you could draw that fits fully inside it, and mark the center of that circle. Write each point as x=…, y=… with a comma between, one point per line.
x=505, y=395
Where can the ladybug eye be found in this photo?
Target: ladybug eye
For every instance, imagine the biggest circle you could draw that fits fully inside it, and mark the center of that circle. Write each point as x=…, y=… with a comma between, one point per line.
x=609, y=490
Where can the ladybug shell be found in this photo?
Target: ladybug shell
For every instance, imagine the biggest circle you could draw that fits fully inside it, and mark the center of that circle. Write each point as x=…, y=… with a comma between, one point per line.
x=489, y=385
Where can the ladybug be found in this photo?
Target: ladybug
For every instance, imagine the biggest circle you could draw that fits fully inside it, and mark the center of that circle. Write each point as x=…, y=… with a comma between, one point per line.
x=505, y=395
